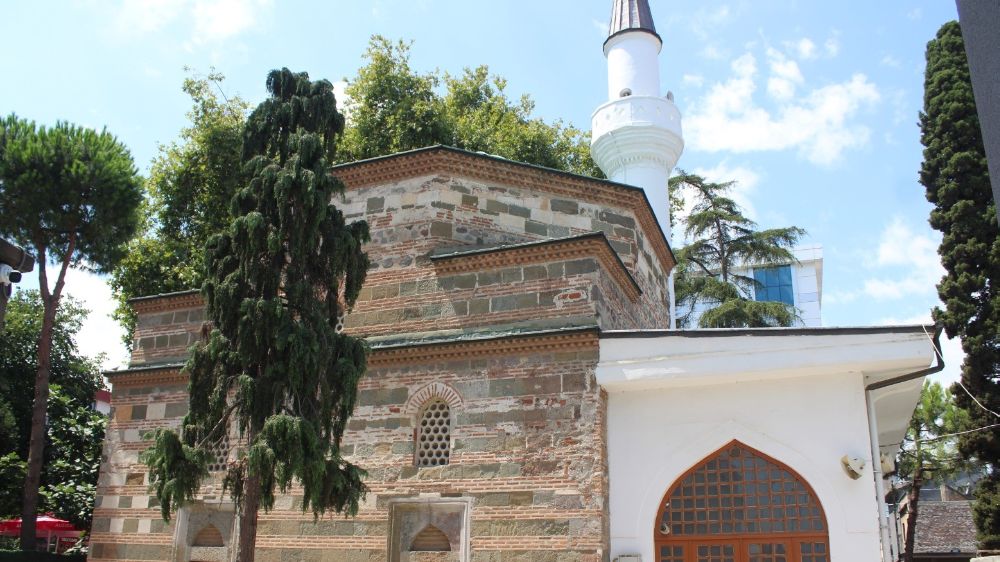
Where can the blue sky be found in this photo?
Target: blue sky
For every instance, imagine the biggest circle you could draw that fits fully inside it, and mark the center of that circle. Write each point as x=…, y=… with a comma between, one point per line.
x=811, y=106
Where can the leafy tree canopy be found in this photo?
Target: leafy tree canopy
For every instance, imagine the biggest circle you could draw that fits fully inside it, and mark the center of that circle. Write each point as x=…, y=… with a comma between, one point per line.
x=75, y=431
x=712, y=267
x=954, y=173
x=190, y=185
x=276, y=281
x=393, y=108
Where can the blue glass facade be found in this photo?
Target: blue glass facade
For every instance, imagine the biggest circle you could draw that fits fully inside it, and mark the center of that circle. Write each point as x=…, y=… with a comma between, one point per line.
x=774, y=284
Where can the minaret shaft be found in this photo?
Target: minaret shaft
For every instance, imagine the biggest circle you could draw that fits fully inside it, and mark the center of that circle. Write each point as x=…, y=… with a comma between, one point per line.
x=636, y=135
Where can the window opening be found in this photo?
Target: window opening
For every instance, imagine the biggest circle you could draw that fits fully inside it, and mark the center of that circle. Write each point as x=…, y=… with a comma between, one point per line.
x=739, y=505
x=219, y=461
x=774, y=284
x=433, y=442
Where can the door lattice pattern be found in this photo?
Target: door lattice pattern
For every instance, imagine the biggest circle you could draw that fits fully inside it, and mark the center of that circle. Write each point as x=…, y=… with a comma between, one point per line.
x=739, y=505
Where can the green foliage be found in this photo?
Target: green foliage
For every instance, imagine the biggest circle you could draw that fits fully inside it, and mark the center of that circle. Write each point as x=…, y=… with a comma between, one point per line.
x=190, y=185
x=723, y=239
x=75, y=431
x=928, y=452
x=67, y=193
x=954, y=173
x=394, y=109
x=76, y=435
x=12, y=470
x=926, y=449
x=276, y=281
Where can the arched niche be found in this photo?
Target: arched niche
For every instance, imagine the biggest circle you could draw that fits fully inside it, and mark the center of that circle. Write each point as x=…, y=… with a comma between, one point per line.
x=740, y=505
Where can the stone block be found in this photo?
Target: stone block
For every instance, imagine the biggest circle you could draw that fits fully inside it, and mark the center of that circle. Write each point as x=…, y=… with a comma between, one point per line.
x=535, y=272
x=382, y=396
x=175, y=409
x=518, y=211
x=138, y=412
x=565, y=206
x=375, y=204
x=512, y=275
x=547, y=384
x=538, y=228
x=441, y=229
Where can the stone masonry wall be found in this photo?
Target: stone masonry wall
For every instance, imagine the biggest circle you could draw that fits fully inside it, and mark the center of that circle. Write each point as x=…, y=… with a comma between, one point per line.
x=416, y=217
x=455, y=307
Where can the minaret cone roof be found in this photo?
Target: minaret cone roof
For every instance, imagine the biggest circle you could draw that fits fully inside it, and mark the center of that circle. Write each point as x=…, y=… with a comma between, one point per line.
x=631, y=15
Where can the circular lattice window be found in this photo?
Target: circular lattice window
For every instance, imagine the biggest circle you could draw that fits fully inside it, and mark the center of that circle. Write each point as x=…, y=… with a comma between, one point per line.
x=434, y=435
x=219, y=461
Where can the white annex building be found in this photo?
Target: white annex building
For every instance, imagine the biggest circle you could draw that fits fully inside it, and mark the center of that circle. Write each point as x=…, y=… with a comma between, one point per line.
x=752, y=445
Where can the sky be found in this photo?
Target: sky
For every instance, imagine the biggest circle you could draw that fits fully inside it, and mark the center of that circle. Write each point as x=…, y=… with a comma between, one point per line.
x=811, y=107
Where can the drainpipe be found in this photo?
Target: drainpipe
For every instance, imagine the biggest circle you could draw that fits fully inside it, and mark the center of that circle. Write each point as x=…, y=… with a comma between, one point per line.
x=673, y=301
x=883, y=510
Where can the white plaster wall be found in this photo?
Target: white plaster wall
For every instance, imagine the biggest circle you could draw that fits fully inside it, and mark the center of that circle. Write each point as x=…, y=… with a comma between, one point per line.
x=808, y=423
x=633, y=63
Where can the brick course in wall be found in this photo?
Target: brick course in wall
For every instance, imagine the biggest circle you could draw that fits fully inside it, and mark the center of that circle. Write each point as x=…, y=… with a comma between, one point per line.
x=489, y=285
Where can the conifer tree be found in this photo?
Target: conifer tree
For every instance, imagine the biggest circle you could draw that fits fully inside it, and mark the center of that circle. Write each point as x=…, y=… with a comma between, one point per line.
x=70, y=196
x=274, y=365
x=723, y=240
x=954, y=172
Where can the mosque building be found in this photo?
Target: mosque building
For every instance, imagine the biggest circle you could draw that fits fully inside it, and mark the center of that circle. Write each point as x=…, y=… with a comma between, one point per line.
x=526, y=398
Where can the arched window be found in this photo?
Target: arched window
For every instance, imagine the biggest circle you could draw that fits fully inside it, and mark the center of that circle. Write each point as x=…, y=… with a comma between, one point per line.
x=433, y=434
x=739, y=505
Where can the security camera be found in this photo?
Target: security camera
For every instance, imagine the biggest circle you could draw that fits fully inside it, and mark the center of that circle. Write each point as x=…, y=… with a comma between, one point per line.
x=853, y=466
x=9, y=275
x=664, y=529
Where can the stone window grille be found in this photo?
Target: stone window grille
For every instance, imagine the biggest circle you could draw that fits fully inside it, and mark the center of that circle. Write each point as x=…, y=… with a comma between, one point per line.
x=219, y=461
x=433, y=435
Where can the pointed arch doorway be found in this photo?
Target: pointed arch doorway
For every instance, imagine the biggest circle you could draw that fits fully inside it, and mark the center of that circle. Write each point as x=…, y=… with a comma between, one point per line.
x=739, y=505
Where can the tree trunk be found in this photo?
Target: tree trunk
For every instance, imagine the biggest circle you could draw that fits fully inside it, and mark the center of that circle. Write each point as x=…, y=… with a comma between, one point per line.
x=912, y=499
x=3, y=305
x=36, y=446
x=246, y=524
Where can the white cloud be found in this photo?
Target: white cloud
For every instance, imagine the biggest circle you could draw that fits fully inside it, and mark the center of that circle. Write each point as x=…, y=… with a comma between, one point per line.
x=601, y=27
x=804, y=48
x=705, y=23
x=696, y=80
x=832, y=46
x=211, y=21
x=890, y=61
x=819, y=123
x=714, y=52
x=914, y=258
x=785, y=76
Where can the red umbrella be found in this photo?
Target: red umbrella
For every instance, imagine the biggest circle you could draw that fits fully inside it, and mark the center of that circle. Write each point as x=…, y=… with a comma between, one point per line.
x=44, y=525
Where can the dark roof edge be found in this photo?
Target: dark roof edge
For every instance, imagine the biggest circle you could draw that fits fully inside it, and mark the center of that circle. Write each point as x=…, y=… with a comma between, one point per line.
x=163, y=295
x=628, y=30
x=535, y=243
x=144, y=369
x=501, y=159
x=485, y=337
x=765, y=332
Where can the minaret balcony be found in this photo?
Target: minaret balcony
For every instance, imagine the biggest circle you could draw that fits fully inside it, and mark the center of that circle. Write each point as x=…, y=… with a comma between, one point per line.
x=636, y=111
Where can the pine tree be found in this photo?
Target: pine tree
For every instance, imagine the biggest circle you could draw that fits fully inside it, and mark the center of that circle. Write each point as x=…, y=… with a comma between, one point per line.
x=724, y=240
x=276, y=282
x=954, y=172
x=928, y=452
x=70, y=196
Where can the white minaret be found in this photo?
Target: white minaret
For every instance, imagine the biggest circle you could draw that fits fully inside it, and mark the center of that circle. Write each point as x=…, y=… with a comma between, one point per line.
x=636, y=135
